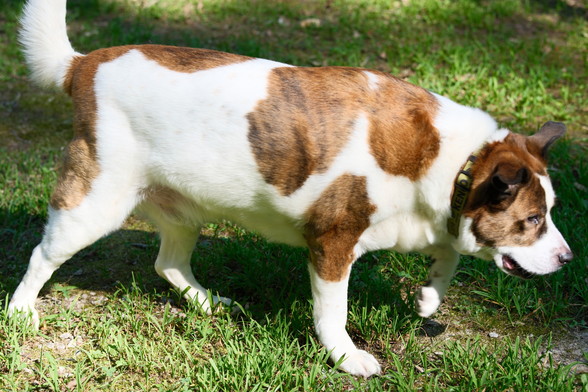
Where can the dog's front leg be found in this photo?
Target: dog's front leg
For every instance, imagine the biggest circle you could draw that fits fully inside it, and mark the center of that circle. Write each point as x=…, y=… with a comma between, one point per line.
x=330, y=317
x=429, y=297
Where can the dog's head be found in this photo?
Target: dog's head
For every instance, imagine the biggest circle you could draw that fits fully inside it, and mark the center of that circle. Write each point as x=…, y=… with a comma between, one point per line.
x=508, y=211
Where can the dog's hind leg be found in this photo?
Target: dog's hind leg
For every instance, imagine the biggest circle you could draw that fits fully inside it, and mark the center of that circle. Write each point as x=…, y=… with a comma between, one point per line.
x=173, y=260
x=79, y=215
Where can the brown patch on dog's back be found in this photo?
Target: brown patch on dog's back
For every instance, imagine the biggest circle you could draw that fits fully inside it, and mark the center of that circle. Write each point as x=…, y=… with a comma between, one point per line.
x=335, y=223
x=402, y=136
x=310, y=113
x=302, y=125
x=504, y=221
x=188, y=59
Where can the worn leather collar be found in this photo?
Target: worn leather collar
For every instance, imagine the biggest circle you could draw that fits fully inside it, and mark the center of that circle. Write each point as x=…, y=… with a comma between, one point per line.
x=461, y=190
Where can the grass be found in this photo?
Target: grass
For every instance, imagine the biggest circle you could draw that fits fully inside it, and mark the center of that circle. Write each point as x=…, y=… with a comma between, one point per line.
x=109, y=323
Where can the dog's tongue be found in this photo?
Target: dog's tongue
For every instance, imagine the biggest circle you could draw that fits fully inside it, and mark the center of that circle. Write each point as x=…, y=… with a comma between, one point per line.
x=508, y=263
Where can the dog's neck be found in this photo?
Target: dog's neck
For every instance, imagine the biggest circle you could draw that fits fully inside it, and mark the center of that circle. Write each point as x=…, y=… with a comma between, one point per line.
x=461, y=191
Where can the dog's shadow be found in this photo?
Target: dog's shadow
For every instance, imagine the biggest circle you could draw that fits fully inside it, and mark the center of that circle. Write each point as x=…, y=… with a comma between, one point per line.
x=431, y=328
x=263, y=277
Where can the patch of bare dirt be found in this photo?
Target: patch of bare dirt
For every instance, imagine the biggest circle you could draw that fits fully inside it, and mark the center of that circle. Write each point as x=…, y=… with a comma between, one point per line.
x=567, y=347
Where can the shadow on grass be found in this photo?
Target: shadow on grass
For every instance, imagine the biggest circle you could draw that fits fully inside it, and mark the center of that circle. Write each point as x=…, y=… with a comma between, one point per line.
x=566, y=9
x=267, y=278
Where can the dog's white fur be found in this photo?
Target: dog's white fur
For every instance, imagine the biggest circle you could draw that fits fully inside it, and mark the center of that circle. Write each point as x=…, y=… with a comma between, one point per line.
x=150, y=122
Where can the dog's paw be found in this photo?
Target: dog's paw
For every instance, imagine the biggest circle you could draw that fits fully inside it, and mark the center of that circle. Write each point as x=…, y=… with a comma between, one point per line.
x=360, y=363
x=26, y=313
x=214, y=304
x=427, y=301
x=225, y=304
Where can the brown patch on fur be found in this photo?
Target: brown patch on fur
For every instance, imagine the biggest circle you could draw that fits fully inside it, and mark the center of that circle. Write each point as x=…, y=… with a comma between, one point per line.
x=77, y=172
x=501, y=219
x=335, y=223
x=166, y=199
x=188, y=59
x=402, y=136
x=509, y=226
x=310, y=113
x=68, y=81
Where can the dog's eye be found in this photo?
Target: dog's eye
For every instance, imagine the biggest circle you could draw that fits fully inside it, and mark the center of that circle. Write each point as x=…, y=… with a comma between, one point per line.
x=534, y=219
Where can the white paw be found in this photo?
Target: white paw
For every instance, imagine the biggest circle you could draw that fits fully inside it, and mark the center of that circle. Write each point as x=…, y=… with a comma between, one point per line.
x=360, y=363
x=219, y=305
x=225, y=304
x=427, y=301
x=27, y=313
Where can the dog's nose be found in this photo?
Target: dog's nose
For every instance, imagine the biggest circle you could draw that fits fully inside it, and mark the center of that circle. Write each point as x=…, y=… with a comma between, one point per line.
x=565, y=258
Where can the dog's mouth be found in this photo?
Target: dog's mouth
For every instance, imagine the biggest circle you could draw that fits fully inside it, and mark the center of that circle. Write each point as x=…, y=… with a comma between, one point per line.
x=511, y=267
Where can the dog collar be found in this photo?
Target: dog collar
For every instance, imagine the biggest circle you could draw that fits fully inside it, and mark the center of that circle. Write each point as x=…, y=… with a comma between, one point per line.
x=461, y=191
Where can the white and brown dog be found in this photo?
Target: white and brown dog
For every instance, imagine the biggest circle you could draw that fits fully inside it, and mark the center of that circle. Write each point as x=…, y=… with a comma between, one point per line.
x=340, y=160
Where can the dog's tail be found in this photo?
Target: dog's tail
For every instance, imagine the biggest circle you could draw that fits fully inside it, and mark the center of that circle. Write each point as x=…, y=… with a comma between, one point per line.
x=43, y=35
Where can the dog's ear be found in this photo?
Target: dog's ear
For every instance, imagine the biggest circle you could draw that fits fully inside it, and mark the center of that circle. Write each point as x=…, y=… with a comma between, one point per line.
x=540, y=142
x=498, y=190
x=506, y=179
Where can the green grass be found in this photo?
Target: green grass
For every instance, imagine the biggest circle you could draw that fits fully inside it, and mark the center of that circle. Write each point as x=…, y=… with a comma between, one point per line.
x=110, y=323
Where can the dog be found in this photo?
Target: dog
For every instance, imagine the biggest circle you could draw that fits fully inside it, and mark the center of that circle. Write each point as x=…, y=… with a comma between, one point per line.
x=340, y=160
